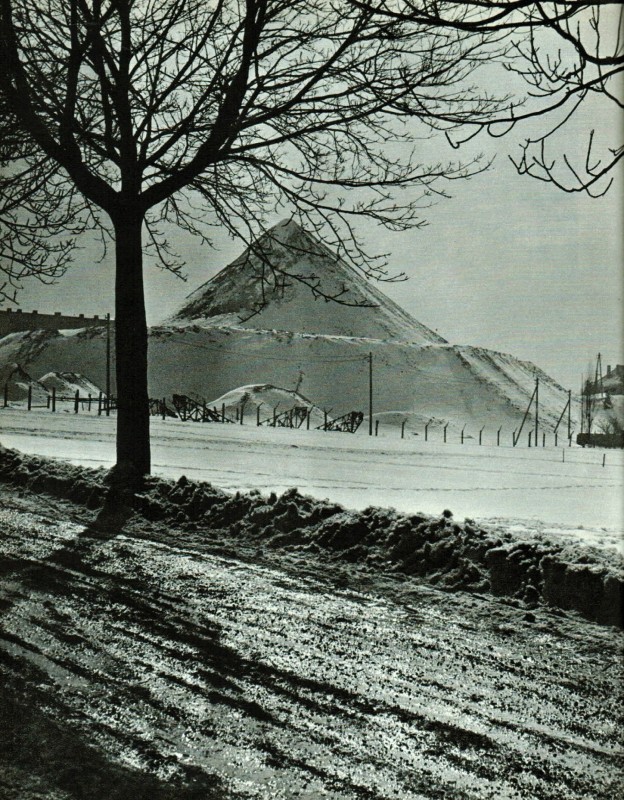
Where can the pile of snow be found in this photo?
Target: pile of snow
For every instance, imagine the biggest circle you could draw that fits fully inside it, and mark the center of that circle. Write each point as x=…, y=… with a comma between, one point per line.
x=456, y=556
x=68, y=383
x=237, y=296
x=41, y=352
x=15, y=384
x=271, y=400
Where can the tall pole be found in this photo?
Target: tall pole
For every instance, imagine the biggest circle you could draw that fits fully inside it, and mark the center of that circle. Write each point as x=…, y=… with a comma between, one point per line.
x=108, y=364
x=536, y=408
x=370, y=394
x=569, y=412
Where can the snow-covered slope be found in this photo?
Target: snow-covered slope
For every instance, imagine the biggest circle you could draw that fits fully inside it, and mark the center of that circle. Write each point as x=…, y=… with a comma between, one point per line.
x=460, y=385
x=235, y=296
x=15, y=383
x=68, y=383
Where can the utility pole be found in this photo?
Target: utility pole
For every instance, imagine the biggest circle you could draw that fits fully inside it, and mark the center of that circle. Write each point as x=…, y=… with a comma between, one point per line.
x=569, y=412
x=370, y=394
x=598, y=385
x=108, y=358
x=536, y=408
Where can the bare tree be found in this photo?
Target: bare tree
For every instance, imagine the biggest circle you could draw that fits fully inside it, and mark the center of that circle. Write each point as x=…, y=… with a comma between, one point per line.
x=125, y=116
x=566, y=53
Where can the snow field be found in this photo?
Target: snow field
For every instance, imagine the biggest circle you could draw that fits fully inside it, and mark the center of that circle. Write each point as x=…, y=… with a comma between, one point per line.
x=533, y=489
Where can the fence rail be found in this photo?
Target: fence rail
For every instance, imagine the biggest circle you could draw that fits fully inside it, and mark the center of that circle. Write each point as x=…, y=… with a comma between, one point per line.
x=192, y=410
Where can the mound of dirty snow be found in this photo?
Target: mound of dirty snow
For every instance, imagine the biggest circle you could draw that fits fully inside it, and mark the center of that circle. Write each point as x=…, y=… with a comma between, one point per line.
x=438, y=550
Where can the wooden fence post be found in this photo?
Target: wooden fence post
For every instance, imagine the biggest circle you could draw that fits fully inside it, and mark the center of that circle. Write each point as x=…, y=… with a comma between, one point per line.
x=76, y=401
x=498, y=436
x=100, y=404
x=530, y=434
x=223, y=413
x=164, y=408
x=29, y=397
x=53, y=399
x=376, y=427
x=403, y=429
x=89, y=402
x=257, y=416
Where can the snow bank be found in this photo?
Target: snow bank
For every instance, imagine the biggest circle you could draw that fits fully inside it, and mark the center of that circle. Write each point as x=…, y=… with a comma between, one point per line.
x=445, y=553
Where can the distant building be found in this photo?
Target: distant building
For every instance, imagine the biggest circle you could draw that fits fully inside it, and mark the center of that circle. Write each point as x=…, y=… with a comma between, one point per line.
x=12, y=321
x=613, y=380
x=617, y=372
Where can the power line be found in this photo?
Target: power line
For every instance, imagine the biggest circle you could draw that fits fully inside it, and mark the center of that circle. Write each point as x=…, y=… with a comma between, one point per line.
x=227, y=351
x=444, y=380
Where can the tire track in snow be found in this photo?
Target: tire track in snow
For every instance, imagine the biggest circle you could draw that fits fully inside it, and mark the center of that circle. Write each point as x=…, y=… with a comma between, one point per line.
x=167, y=658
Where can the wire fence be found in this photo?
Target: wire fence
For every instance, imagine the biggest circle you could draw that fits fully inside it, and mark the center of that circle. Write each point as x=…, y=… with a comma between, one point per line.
x=80, y=402
x=189, y=409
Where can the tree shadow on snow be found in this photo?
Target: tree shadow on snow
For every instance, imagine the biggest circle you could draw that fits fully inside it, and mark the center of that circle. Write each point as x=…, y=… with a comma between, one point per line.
x=45, y=757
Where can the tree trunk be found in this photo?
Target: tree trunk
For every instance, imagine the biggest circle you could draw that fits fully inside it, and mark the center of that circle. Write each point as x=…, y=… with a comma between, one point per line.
x=133, y=439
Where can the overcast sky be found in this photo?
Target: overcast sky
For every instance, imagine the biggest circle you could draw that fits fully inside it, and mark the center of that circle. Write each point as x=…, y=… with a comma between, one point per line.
x=508, y=263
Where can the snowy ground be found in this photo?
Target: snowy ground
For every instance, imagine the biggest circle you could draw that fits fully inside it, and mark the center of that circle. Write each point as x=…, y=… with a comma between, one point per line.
x=530, y=489
x=153, y=665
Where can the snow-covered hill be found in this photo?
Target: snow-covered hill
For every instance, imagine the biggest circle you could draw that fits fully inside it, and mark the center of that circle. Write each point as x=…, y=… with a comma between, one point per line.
x=456, y=384
x=237, y=296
